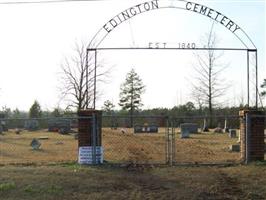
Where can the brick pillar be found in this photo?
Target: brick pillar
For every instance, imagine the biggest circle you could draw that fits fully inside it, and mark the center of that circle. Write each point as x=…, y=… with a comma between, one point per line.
x=85, y=136
x=255, y=135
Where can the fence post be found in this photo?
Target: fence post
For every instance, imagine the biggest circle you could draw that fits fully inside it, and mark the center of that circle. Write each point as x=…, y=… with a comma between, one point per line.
x=252, y=135
x=94, y=129
x=89, y=137
x=247, y=139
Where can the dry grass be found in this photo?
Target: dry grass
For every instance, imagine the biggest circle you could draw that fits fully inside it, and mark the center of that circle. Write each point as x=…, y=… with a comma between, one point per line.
x=207, y=147
x=70, y=182
x=118, y=147
x=16, y=148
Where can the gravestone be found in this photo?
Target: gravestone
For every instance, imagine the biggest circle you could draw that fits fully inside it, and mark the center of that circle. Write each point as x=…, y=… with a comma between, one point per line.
x=4, y=126
x=235, y=148
x=226, y=129
x=184, y=133
x=137, y=129
x=205, y=126
x=187, y=128
x=64, y=130
x=35, y=144
x=43, y=138
x=63, y=126
x=145, y=128
x=218, y=130
x=31, y=125
x=190, y=127
x=153, y=129
x=232, y=133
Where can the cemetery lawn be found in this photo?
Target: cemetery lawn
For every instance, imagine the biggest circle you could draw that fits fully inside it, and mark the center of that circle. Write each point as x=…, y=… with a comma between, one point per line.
x=118, y=147
x=72, y=181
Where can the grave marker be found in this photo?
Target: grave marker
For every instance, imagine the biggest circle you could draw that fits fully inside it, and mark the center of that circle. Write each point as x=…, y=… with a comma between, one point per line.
x=187, y=128
x=35, y=144
x=31, y=125
x=232, y=133
x=145, y=128
x=205, y=126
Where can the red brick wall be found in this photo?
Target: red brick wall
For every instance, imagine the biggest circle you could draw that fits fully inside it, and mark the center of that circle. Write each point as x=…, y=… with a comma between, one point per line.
x=85, y=127
x=256, y=139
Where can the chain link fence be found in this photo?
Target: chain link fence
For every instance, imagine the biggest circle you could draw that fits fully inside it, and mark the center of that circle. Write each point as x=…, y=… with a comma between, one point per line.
x=43, y=140
x=123, y=143
x=215, y=140
x=136, y=139
x=125, y=139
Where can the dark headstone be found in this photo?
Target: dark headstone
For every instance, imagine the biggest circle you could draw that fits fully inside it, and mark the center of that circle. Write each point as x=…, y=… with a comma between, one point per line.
x=232, y=133
x=235, y=148
x=35, y=144
x=226, y=130
x=153, y=129
x=145, y=129
x=137, y=129
x=185, y=133
x=4, y=126
x=189, y=127
x=64, y=130
x=57, y=124
x=205, y=126
x=31, y=125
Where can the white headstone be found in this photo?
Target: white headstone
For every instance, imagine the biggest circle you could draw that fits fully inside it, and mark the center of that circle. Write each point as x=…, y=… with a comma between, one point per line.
x=226, y=129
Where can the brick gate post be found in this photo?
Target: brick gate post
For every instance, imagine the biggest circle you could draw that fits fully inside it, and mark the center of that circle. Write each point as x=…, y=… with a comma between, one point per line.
x=90, y=137
x=251, y=135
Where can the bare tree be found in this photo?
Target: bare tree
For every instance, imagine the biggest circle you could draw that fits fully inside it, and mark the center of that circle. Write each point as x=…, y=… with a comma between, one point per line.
x=209, y=85
x=77, y=78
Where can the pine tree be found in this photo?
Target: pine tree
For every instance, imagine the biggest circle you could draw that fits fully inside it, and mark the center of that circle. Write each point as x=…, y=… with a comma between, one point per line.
x=130, y=93
x=35, y=110
x=57, y=112
x=263, y=85
x=108, y=106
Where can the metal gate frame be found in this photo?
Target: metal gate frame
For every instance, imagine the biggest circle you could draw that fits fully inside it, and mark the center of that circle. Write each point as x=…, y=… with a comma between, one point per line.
x=247, y=50
x=170, y=147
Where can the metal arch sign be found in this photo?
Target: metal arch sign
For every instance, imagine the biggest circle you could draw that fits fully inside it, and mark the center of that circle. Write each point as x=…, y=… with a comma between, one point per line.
x=178, y=4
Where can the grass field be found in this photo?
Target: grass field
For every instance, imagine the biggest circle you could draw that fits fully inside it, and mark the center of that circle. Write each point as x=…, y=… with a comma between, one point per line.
x=118, y=147
x=51, y=173
x=72, y=181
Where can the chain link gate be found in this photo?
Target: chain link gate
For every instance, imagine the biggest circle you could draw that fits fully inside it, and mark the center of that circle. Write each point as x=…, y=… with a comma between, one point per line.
x=170, y=145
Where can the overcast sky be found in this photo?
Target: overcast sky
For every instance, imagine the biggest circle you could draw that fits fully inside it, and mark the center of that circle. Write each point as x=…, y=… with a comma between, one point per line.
x=35, y=39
